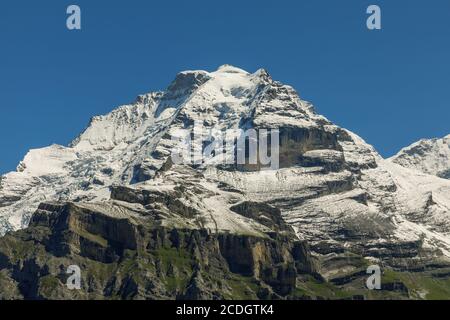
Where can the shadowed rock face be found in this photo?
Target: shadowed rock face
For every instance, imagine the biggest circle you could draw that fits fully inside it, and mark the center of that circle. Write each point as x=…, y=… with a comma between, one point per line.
x=444, y=174
x=264, y=214
x=295, y=142
x=129, y=256
x=85, y=231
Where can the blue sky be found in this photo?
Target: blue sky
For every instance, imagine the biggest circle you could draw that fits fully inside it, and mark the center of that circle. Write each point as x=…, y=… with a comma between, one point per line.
x=389, y=86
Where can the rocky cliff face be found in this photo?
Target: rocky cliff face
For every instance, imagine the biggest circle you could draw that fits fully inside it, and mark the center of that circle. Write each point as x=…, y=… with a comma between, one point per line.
x=125, y=252
x=331, y=190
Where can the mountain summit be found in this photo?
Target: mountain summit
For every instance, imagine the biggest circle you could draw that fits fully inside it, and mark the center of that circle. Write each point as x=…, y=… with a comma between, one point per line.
x=431, y=156
x=128, y=145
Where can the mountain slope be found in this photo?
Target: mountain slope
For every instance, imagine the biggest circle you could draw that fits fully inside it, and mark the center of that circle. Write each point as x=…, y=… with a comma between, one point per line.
x=168, y=238
x=332, y=187
x=429, y=156
x=126, y=254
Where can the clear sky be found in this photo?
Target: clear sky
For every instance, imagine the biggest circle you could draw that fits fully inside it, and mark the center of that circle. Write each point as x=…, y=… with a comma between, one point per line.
x=390, y=86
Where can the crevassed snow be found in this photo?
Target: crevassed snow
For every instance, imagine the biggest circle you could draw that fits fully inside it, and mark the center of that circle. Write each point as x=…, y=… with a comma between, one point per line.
x=47, y=161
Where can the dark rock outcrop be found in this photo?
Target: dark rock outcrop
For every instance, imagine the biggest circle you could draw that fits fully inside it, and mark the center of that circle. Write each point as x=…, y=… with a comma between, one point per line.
x=131, y=257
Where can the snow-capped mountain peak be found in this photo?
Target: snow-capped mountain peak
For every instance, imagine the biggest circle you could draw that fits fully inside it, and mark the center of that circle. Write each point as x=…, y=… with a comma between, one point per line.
x=332, y=187
x=430, y=156
x=112, y=146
